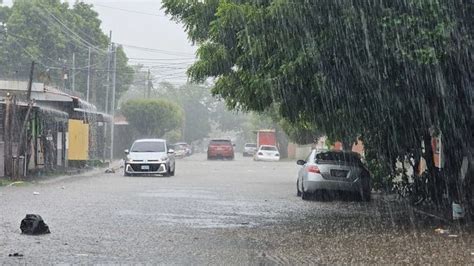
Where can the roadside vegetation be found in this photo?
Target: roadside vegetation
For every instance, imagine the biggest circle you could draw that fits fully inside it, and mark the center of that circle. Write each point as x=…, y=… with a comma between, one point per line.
x=392, y=74
x=34, y=30
x=153, y=117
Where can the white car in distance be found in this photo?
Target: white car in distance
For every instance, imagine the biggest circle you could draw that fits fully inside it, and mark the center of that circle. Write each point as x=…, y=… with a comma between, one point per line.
x=267, y=153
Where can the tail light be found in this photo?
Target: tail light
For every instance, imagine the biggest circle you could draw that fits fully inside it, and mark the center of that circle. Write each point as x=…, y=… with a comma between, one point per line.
x=277, y=154
x=313, y=169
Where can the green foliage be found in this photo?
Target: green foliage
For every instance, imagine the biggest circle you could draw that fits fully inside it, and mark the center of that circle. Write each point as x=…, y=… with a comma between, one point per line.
x=49, y=32
x=385, y=71
x=153, y=117
x=193, y=100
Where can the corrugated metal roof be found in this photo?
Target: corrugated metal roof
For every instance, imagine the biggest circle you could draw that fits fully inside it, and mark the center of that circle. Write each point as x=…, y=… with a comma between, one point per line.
x=39, y=91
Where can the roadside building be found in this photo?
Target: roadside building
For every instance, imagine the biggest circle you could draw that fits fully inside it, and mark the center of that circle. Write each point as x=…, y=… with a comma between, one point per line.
x=54, y=130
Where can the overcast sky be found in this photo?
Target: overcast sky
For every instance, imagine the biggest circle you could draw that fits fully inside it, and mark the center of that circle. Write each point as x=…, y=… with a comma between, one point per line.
x=142, y=23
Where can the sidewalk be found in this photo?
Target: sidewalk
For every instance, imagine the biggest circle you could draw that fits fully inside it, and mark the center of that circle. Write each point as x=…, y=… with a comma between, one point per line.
x=60, y=176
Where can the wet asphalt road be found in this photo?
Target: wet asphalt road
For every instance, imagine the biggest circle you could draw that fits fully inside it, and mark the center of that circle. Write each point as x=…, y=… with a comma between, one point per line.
x=213, y=212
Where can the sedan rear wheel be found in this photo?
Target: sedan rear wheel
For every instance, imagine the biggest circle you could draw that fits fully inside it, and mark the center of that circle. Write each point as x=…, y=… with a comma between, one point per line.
x=304, y=195
x=365, y=195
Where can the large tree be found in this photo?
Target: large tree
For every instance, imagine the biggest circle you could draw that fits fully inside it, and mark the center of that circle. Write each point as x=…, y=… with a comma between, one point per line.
x=193, y=99
x=50, y=32
x=153, y=117
x=393, y=73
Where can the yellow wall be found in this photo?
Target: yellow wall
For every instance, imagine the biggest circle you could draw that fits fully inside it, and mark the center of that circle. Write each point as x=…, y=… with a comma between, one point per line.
x=78, y=149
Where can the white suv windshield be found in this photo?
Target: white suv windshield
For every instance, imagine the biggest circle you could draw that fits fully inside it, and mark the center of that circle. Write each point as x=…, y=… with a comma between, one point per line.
x=149, y=146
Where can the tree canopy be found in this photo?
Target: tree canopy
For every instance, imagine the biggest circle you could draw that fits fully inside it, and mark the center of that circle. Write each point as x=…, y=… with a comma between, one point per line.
x=153, y=117
x=50, y=32
x=392, y=73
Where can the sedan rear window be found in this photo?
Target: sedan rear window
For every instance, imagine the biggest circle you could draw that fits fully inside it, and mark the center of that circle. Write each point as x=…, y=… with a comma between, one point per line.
x=345, y=157
x=221, y=141
x=152, y=146
x=268, y=148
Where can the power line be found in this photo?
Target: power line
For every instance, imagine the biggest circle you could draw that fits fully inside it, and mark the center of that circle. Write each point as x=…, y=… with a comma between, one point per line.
x=153, y=50
x=129, y=11
x=39, y=60
x=33, y=57
x=161, y=59
x=50, y=21
x=73, y=32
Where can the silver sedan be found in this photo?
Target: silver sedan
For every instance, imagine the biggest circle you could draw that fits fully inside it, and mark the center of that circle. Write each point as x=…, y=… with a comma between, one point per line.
x=333, y=171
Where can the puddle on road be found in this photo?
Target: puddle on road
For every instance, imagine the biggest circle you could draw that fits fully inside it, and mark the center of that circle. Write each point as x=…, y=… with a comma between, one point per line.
x=203, y=220
x=204, y=209
x=180, y=193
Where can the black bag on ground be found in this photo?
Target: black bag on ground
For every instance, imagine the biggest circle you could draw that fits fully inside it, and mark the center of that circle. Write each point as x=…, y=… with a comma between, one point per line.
x=33, y=224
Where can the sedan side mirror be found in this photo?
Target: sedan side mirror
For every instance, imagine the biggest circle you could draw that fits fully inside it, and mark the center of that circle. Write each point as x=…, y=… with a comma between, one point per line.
x=301, y=162
x=170, y=151
x=127, y=151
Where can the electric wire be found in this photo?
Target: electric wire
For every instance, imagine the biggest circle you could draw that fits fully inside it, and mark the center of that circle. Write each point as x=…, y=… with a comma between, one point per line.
x=92, y=46
x=130, y=11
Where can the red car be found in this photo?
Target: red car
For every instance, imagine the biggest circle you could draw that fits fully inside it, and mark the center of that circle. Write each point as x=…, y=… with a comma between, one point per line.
x=220, y=148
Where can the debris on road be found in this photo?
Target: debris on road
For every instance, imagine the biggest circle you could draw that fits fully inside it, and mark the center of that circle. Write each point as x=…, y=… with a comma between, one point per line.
x=441, y=231
x=36, y=193
x=15, y=255
x=33, y=224
x=110, y=171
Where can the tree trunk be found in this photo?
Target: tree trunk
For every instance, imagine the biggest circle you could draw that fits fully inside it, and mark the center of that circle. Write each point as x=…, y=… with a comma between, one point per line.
x=436, y=187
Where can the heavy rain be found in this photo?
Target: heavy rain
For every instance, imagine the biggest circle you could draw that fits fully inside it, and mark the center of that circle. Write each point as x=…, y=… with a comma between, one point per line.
x=255, y=132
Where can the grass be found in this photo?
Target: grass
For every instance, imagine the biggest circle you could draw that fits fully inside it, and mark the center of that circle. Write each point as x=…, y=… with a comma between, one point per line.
x=6, y=182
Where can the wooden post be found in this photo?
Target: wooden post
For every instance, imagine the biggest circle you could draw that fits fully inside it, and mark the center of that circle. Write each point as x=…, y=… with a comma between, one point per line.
x=21, y=150
x=7, y=138
x=30, y=81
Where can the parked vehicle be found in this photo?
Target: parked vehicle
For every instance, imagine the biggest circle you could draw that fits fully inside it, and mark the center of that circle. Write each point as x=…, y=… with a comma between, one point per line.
x=220, y=148
x=267, y=153
x=185, y=147
x=266, y=137
x=333, y=171
x=179, y=152
x=249, y=149
x=149, y=156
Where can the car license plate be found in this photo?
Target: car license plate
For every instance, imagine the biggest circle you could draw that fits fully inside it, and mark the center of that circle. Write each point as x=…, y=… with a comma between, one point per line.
x=145, y=167
x=339, y=173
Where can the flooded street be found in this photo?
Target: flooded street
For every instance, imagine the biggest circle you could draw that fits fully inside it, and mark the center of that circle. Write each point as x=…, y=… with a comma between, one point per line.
x=213, y=212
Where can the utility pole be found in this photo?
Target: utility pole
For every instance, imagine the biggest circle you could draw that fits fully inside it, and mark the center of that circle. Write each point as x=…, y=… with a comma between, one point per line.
x=73, y=74
x=148, y=84
x=30, y=81
x=107, y=87
x=8, y=159
x=88, y=76
x=109, y=51
x=112, y=111
x=23, y=145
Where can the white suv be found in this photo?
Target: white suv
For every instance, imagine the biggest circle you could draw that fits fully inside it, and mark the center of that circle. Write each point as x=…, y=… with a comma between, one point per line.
x=149, y=156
